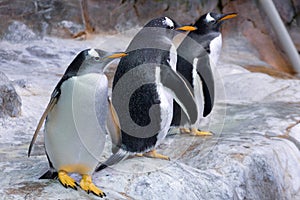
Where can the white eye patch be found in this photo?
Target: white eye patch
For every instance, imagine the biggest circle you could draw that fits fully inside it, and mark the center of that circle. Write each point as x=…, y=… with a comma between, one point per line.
x=93, y=53
x=169, y=22
x=209, y=18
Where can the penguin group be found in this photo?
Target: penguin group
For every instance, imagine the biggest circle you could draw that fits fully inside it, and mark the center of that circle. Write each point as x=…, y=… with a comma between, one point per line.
x=156, y=87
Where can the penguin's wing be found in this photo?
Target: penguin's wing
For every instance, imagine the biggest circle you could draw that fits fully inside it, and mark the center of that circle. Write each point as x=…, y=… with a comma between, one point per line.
x=113, y=127
x=50, y=106
x=180, y=91
x=207, y=79
x=113, y=159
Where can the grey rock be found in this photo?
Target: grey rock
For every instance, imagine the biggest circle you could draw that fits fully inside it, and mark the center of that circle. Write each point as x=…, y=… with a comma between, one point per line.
x=65, y=18
x=41, y=52
x=10, y=101
x=18, y=32
x=286, y=10
x=254, y=29
x=237, y=163
x=71, y=26
x=34, y=19
x=248, y=156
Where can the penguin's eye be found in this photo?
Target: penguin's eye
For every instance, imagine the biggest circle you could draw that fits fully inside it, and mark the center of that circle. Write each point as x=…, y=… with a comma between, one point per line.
x=171, y=27
x=97, y=58
x=213, y=21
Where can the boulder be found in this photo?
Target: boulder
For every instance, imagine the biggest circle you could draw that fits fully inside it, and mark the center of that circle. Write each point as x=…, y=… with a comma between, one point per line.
x=253, y=28
x=10, y=101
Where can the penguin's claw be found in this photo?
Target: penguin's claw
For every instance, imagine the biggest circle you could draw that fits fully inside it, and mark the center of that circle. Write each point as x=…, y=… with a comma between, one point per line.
x=87, y=185
x=154, y=154
x=196, y=132
x=66, y=180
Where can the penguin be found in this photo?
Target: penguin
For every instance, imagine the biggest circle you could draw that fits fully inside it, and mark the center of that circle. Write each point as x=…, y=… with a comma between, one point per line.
x=144, y=86
x=198, y=51
x=75, y=120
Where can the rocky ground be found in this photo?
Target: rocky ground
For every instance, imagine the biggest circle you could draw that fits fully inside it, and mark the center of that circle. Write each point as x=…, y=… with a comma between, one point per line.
x=253, y=154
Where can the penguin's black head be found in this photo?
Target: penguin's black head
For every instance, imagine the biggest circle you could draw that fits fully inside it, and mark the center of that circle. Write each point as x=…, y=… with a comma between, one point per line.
x=162, y=22
x=169, y=24
x=91, y=61
x=212, y=22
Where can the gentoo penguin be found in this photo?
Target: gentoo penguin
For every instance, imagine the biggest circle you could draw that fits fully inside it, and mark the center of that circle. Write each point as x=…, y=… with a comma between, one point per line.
x=196, y=54
x=144, y=86
x=75, y=120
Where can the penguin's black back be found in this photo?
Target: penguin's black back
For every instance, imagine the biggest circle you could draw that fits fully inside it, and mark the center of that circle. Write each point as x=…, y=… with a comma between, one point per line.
x=185, y=54
x=134, y=59
x=71, y=71
x=148, y=49
x=143, y=98
x=136, y=144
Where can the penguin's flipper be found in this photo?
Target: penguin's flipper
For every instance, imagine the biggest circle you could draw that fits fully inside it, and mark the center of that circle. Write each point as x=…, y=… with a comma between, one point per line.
x=113, y=127
x=50, y=174
x=51, y=104
x=180, y=90
x=208, y=85
x=87, y=185
x=113, y=159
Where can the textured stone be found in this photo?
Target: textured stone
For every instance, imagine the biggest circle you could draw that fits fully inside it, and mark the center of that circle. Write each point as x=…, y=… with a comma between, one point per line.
x=255, y=27
x=253, y=154
x=43, y=17
x=10, y=101
x=19, y=32
x=76, y=18
x=286, y=10
x=294, y=32
x=67, y=18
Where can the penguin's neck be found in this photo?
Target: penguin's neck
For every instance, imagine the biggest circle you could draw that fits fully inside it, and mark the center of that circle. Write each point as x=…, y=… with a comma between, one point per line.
x=87, y=69
x=215, y=47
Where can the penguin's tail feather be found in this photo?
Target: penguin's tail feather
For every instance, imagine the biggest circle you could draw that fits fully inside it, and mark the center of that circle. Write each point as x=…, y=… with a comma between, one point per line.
x=50, y=174
x=113, y=159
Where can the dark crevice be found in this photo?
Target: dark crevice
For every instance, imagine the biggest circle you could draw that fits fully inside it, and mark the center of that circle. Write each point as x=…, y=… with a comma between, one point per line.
x=220, y=6
x=136, y=9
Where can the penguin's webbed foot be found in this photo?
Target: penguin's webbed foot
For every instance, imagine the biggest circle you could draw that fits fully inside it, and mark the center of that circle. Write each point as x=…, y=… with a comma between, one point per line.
x=154, y=154
x=185, y=130
x=66, y=180
x=196, y=132
x=87, y=185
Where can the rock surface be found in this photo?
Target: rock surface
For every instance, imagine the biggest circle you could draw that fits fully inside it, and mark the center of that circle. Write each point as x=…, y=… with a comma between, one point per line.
x=253, y=154
x=10, y=101
x=253, y=28
x=79, y=18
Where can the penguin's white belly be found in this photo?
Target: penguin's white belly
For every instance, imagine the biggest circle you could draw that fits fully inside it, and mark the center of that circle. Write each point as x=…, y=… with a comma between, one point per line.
x=197, y=84
x=74, y=131
x=215, y=50
x=166, y=109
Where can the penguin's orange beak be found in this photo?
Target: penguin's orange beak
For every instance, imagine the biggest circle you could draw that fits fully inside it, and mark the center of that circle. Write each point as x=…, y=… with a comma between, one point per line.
x=187, y=28
x=117, y=55
x=227, y=16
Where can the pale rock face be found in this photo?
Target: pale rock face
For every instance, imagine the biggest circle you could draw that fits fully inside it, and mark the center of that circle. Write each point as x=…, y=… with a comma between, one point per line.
x=244, y=159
